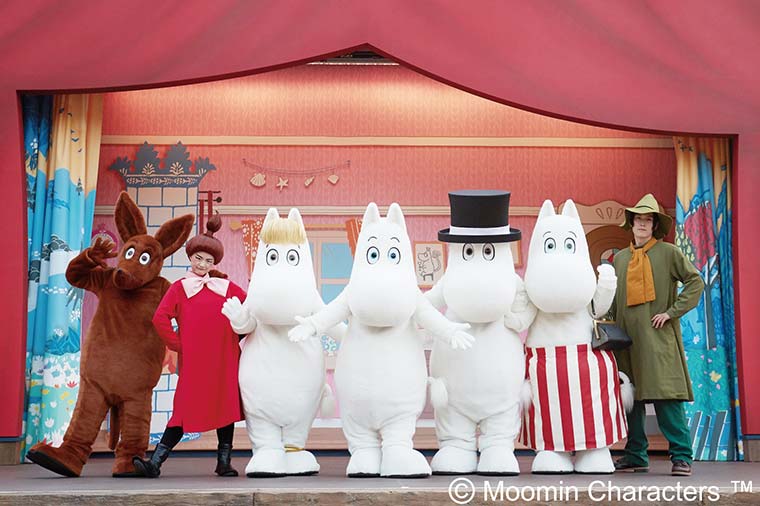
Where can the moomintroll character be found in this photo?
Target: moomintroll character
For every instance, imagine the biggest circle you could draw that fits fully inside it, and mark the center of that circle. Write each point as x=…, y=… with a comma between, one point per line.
x=380, y=373
x=281, y=382
x=478, y=388
x=572, y=391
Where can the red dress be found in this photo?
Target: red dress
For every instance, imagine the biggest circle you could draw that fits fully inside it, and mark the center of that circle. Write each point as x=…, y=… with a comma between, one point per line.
x=207, y=395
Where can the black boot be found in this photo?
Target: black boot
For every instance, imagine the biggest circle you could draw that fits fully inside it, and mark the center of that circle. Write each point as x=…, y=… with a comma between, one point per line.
x=152, y=468
x=223, y=456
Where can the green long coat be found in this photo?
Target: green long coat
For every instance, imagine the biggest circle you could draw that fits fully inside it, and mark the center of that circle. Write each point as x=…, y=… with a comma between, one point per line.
x=656, y=363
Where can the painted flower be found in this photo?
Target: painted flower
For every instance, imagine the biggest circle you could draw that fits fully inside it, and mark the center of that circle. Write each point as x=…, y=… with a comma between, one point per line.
x=698, y=227
x=49, y=422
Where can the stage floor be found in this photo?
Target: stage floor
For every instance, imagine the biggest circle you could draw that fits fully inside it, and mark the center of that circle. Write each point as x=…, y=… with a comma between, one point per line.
x=190, y=480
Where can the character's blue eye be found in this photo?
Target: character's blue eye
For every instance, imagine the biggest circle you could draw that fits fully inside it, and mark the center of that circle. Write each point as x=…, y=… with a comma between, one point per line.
x=394, y=255
x=570, y=245
x=272, y=257
x=145, y=258
x=468, y=251
x=489, y=252
x=373, y=255
x=129, y=253
x=550, y=245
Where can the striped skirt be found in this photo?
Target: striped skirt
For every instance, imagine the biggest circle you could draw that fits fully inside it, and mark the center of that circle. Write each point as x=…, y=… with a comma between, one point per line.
x=576, y=399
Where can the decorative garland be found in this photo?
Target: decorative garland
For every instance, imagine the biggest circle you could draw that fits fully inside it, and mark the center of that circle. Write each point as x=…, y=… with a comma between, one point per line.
x=259, y=179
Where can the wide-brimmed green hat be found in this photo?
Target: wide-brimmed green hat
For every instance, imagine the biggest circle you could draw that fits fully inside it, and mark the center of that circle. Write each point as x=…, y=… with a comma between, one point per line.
x=648, y=204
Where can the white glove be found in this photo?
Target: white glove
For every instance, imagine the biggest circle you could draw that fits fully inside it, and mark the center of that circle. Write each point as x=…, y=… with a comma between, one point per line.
x=235, y=312
x=303, y=331
x=461, y=340
x=607, y=277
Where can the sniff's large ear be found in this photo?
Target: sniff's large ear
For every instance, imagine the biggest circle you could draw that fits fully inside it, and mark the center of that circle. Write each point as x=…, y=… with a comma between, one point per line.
x=129, y=219
x=570, y=210
x=371, y=215
x=271, y=214
x=547, y=209
x=174, y=233
x=295, y=215
x=395, y=215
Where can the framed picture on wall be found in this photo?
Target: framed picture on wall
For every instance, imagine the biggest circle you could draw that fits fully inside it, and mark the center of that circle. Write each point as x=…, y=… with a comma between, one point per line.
x=429, y=262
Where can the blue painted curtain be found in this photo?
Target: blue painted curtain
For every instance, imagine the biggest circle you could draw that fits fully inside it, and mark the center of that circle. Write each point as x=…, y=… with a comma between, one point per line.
x=62, y=144
x=703, y=232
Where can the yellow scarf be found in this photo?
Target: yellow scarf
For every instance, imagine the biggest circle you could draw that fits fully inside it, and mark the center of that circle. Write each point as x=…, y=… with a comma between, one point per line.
x=639, y=279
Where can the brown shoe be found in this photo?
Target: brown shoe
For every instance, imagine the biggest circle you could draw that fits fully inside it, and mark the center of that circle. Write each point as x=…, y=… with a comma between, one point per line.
x=624, y=465
x=680, y=468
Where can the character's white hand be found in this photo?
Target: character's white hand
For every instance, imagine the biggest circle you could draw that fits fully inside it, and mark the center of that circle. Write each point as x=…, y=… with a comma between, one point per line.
x=511, y=321
x=520, y=303
x=461, y=340
x=607, y=275
x=303, y=331
x=235, y=312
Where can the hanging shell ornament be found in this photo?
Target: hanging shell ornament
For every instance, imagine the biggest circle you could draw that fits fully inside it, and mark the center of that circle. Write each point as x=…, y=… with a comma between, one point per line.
x=333, y=178
x=258, y=180
x=308, y=181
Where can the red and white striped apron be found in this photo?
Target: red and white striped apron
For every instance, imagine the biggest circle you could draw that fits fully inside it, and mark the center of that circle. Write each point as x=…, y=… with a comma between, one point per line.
x=576, y=399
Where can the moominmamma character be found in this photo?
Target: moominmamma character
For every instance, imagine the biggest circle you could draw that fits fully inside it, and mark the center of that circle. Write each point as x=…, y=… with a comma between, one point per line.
x=281, y=382
x=478, y=387
x=576, y=403
x=380, y=373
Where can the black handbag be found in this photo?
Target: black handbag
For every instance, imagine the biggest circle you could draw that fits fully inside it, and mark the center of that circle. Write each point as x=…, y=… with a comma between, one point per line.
x=607, y=335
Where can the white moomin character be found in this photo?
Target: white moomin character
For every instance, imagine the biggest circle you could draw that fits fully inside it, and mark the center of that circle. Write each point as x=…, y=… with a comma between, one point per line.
x=281, y=382
x=576, y=401
x=380, y=375
x=479, y=387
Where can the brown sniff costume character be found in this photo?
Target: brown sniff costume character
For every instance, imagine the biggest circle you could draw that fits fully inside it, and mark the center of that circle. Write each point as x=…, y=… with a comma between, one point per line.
x=122, y=354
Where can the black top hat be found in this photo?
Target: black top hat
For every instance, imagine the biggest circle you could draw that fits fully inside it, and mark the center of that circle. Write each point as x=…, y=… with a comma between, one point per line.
x=479, y=216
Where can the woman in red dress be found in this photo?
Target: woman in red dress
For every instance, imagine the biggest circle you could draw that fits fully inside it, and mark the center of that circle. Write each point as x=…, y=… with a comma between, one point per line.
x=207, y=395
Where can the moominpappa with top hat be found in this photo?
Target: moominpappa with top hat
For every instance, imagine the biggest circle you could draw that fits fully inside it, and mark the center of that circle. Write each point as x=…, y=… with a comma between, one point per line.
x=478, y=387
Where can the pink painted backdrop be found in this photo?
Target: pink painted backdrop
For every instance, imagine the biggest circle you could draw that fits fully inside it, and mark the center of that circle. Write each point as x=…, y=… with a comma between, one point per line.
x=321, y=100
x=333, y=100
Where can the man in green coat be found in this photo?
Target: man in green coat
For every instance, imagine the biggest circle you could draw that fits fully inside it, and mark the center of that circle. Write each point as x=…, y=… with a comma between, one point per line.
x=648, y=307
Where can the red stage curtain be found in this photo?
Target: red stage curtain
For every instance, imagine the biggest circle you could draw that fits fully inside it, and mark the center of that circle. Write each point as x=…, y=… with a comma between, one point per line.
x=677, y=66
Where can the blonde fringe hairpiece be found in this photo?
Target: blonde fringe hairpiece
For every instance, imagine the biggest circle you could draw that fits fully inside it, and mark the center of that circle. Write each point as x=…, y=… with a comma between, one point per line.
x=282, y=231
